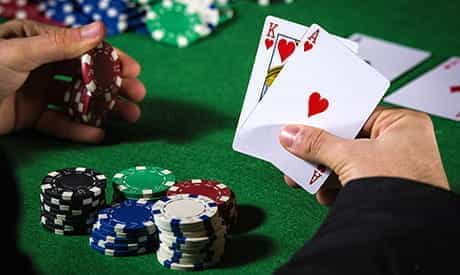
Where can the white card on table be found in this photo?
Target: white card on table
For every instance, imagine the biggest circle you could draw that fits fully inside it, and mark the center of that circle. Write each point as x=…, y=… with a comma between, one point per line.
x=390, y=59
x=324, y=85
x=436, y=92
x=277, y=42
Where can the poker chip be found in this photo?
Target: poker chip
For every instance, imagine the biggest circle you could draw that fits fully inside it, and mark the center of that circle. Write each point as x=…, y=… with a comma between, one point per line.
x=56, y=204
x=69, y=213
x=171, y=264
x=62, y=229
x=70, y=199
x=119, y=253
x=184, y=211
x=74, y=184
x=106, y=237
x=217, y=191
x=145, y=182
x=190, y=257
x=78, y=98
x=206, y=10
x=101, y=70
x=65, y=12
x=128, y=216
x=118, y=16
x=172, y=23
x=191, y=233
x=72, y=222
x=125, y=227
x=22, y=9
x=119, y=246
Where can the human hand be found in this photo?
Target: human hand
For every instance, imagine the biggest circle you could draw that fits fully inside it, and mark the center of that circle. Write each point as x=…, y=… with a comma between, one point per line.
x=31, y=54
x=393, y=143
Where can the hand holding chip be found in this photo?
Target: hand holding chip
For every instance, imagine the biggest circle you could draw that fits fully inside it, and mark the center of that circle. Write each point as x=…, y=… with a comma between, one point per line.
x=31, y=55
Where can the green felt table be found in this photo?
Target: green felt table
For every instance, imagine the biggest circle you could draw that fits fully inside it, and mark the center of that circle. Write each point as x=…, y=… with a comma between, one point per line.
x=189, y=118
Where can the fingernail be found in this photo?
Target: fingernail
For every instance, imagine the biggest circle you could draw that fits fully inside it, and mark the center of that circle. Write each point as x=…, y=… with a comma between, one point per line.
x=90, y=31
x=288, y=135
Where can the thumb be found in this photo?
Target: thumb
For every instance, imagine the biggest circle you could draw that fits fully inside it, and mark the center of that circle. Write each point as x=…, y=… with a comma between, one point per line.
x=314, y=144
x=54, y=44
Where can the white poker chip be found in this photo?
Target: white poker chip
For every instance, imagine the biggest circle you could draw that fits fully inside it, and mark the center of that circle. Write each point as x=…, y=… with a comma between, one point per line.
x=184, y=211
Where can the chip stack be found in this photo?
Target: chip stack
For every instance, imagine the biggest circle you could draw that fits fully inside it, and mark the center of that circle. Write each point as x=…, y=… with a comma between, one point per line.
x=142, y=182
x=23, y=9
x=96, y=84
x=125, y=229
x=70, y=199
x=182, y=22
x=65, y=12
x=217, y=191
x=118, y=16
x=192, y=235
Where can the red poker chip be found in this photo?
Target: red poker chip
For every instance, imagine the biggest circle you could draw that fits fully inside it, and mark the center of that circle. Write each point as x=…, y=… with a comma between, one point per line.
x=215, y=190
x=86, y=108
x=21, y=9
x=218, y=192
x=101, y=70
x=77, y=99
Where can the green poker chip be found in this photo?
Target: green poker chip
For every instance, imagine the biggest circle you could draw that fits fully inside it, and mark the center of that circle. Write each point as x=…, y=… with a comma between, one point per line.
x=143, y=182
x=172, y=23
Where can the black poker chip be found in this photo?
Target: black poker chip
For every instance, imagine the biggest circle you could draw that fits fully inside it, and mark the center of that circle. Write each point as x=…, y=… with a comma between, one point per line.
x=65, y=229
x=54, y=205
x=73, y=221
x=74, y=184
x=70, y=200
x=69, y=214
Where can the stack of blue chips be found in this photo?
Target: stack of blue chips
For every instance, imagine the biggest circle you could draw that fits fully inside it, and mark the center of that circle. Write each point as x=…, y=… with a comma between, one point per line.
x=125, y=229
x=118, y=15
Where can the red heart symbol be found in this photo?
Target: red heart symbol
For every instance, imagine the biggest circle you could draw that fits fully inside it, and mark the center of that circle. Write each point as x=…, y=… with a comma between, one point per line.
x=285, y=49
x=455, y=89
x=307, y=46
x=316, y=104
x=268, y=43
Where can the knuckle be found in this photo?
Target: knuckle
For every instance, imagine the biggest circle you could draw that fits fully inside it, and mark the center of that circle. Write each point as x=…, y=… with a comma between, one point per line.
x=422, y=119
x=58, y=39
x=313, y=139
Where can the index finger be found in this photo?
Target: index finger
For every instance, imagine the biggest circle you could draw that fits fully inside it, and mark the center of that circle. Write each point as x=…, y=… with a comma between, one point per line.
x=366, y=131
x=130, y=67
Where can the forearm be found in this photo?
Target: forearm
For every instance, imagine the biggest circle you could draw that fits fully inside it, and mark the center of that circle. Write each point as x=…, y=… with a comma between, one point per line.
x=383, y=224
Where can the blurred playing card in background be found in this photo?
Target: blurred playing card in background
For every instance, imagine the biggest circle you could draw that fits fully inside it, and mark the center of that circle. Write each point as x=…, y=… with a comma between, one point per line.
x=436, y=92
x=390, y=59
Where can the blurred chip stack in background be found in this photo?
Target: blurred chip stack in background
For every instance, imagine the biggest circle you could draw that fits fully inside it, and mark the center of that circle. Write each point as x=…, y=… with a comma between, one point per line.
x=177, y=23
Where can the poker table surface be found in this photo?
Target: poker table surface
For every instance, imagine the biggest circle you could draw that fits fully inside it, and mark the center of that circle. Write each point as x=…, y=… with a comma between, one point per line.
x=189, y=117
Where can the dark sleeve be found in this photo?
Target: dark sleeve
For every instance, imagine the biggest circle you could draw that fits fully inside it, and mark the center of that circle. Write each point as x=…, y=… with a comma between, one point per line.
x=384, y=226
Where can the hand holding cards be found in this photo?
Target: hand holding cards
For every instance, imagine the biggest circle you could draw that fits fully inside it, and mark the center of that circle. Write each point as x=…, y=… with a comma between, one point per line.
x=320, y=83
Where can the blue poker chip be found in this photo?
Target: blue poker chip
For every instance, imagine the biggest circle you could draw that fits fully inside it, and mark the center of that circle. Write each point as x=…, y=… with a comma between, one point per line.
x=129, y=216
x=110, y=231
x=119, y=26
x=64, y=12
x=117, y=16
x=101, y=235
x=119, y=253
x=124, y=246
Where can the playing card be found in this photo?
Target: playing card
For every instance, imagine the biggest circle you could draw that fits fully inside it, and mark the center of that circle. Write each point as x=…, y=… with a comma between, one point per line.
x=436, y=92
x=389, y=58
x=324, y=85
x=277, y=42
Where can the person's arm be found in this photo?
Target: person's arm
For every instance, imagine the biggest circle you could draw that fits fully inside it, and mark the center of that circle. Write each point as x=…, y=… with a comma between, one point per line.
x=392, y=211
x=384, y=226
